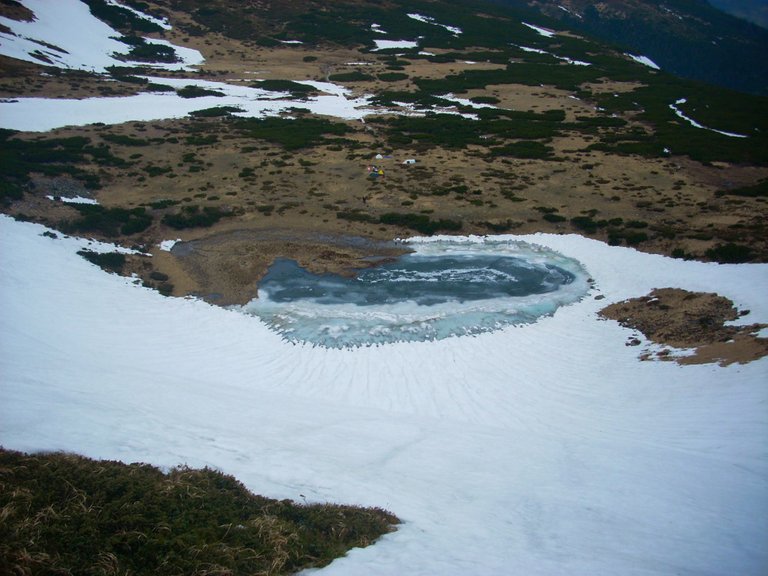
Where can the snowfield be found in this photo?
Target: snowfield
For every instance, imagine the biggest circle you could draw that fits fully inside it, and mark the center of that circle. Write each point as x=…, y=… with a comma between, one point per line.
x=544, y=449
x=65, y=34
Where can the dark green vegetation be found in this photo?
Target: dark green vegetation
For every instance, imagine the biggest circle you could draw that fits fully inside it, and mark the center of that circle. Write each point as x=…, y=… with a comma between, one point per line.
x=110, y=222
x=290, y=134
x=689, y=38
x=65, y=514
x=496, y=169
x=109, y=261
x=144, y=51
x=422, y=223
x=193, y=217
x=121, y=18
x=296, y=89
x=759, y=190
x=19, y=158
x=197, y=92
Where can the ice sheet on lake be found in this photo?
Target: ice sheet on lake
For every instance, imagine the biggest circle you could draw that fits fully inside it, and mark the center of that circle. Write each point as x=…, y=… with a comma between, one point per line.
x=442, y=290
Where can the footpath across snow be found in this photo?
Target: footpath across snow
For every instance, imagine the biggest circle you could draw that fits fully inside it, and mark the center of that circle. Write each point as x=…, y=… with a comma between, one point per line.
x=539, y=450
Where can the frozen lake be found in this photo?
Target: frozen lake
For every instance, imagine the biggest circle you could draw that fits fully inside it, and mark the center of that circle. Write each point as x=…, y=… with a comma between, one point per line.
x=442, y=289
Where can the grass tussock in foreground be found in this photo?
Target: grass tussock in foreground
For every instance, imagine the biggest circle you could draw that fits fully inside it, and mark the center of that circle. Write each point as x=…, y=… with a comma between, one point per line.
x=66, y=514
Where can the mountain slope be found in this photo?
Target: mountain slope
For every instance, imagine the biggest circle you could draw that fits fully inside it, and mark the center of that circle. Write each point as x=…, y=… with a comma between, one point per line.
x=274, y=115
x=755, y=11
x=689, y=38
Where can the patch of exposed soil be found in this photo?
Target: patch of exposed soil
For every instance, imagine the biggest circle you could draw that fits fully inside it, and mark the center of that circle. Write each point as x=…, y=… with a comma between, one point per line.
x=690, y=320
x=225, y=268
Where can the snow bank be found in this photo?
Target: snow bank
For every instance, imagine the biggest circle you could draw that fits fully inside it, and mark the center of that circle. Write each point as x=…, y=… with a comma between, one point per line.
x=645, y=61
x=388, y=44
x=540, y=450
x=542, y=31
x=65, y=34
x=43, y=114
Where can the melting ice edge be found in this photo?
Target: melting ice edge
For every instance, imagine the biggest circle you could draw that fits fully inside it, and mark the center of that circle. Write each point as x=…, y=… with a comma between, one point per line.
x=443, y=289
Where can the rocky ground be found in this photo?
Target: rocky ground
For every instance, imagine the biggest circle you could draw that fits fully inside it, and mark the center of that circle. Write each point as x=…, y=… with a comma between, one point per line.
x=693, y=322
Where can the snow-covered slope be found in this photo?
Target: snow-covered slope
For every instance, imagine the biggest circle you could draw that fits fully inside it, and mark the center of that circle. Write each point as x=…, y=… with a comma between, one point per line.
x=65, y=34
x=545, y=449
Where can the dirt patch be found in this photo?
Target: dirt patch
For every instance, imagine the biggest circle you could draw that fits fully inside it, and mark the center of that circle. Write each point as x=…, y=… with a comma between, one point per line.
x=690, y=320
x=225, y=268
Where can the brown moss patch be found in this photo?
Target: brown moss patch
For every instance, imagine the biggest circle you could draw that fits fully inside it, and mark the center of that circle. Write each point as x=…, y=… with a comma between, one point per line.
x=691, y=320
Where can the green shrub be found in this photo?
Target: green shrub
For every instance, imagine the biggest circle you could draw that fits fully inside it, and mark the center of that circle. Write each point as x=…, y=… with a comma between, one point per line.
x=65, y=514
x=10, y=191
x=121, y=18
x=730, y=253
x=392, y=77
x=355, y=76
x=109, y=261
x=585, y=223
x=485, y=100
x=192, y=91
x=193, y=217
x=759, y=190
x=215, y=112
x=276, y=85
x=143, y=51
x=290, y=134
x=125, y=140
x=110, y=222
x=420, y=222
x=356, y=216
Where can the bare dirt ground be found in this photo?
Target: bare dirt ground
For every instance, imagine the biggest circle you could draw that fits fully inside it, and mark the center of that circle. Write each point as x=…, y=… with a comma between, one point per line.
x=690, y=320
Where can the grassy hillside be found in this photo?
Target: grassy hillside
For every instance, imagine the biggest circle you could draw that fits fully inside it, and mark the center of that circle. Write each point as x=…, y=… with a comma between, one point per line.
x=510, y=130
x=65, y=514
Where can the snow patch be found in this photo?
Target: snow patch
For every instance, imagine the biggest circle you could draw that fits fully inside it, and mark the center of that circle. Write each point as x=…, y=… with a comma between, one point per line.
x=167, y=245
x=543, y=31
x=389, y=44
x=74, y=199
x=692, y=122
x=645, y=61
x=162, y=22
x=65, y=34
x=429, y=20
x=557, y=450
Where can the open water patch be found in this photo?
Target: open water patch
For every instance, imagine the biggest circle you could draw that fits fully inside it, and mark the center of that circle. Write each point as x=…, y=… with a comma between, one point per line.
x=444, y=288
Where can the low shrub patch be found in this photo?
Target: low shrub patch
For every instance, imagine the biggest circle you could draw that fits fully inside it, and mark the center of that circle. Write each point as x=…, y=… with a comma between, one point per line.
x=730, y=253
x=193, y=217
x=355, y=76
x=197, y=92
x=108, y=221
x=420, y=222
x=392, y=76
x=65, y=514
x=215, y=112
x=109, y=261
x=759, y=190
